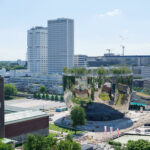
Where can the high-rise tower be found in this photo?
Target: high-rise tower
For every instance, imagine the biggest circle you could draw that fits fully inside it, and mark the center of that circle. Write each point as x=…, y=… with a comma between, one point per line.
x=37, y=50
x=60, y=44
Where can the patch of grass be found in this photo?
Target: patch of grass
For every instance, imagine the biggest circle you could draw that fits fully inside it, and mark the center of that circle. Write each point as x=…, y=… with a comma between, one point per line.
x=13, y=97
x=61, y=129
x=77, y=100
x=119, y=101
x=104, y=96
x=53, y=134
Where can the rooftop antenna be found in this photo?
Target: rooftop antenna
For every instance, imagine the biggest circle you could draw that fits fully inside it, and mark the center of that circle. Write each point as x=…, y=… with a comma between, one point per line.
x=123, y=48
x=108, y=51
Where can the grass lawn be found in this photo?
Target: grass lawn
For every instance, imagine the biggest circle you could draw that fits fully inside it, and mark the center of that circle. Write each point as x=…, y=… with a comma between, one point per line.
x=77, y=100
x=14, y=98
x=119, y=101
x=104, y=96
x=60, y=129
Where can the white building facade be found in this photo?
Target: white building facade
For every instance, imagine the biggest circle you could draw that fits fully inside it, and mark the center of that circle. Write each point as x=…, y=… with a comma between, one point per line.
x=37, y=50
x=60, y=44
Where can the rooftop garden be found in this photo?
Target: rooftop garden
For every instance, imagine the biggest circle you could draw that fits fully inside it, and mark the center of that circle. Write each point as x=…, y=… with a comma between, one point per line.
x=104, y=96
x=99, y=71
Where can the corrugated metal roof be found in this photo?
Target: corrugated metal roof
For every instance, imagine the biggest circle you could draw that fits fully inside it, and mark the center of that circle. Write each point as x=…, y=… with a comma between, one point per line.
x=23, y=116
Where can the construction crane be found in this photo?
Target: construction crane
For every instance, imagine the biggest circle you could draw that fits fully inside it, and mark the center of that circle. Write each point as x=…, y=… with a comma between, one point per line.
x=123, y=48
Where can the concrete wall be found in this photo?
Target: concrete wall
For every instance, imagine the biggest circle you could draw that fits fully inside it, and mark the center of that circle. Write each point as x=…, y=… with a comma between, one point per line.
x=22, y=138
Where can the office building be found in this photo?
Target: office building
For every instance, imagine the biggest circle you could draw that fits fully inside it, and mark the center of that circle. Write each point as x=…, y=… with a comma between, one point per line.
x=60, y=44
x=37, y=50
x=80, y=61
x=128, y=60
x=2, y=133
x=52, y=82
x=145, y=72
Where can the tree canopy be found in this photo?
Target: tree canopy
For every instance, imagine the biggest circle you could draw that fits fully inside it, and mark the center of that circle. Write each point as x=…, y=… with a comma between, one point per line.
x=50, y=143
x=138, y=145
x=10, y=90
x=78, y=116
x=121, y=70
x=99, y=71
x=4, y=146
x=42, y=89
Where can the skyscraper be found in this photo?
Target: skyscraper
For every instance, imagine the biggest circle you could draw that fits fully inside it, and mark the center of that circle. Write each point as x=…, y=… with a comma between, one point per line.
x=37, y=50
x=2, y=133
x=60, y=44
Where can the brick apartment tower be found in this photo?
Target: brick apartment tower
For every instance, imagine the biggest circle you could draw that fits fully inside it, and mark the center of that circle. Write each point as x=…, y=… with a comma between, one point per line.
x=2, y=129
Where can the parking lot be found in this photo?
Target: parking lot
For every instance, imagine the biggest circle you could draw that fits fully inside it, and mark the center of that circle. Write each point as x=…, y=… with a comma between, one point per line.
x=33, y=104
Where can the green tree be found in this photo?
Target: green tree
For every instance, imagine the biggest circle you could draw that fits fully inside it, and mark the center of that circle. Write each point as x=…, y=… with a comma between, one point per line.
x=42, y=89
x=69, y=138
x=50, y=142
x=43, y=96
x=52, y=97
x=121, y=70
x=76, y=146
x=4, y=146
x=62, y=98
x=10, y=90
x=68, y=145
x=56, y=97
x=40, y=142
x=138, y=145
x=30, y=143
x=92, y=94
x=65, y=70
x=47, y=96
x=35, y=95
x=78, y=116
x=101, y=71
x=39, y=96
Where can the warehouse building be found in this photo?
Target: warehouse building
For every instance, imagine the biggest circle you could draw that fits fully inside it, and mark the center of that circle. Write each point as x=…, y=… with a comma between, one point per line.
x=19, y=125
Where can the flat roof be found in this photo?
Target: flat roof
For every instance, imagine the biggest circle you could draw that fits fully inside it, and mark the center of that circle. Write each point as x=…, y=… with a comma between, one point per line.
x=23, y=116
x=128, y=56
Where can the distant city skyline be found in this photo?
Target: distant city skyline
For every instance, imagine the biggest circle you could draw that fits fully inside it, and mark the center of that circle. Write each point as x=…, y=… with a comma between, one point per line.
x=99, y=25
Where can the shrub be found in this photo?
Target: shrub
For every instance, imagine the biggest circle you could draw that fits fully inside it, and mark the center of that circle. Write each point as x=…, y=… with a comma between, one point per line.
x=114, y=143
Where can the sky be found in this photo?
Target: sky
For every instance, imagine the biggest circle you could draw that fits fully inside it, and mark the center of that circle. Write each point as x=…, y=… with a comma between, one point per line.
x=99, y=25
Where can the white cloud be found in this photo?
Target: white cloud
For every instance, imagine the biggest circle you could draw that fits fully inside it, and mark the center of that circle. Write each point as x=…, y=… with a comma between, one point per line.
x=112, y=13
